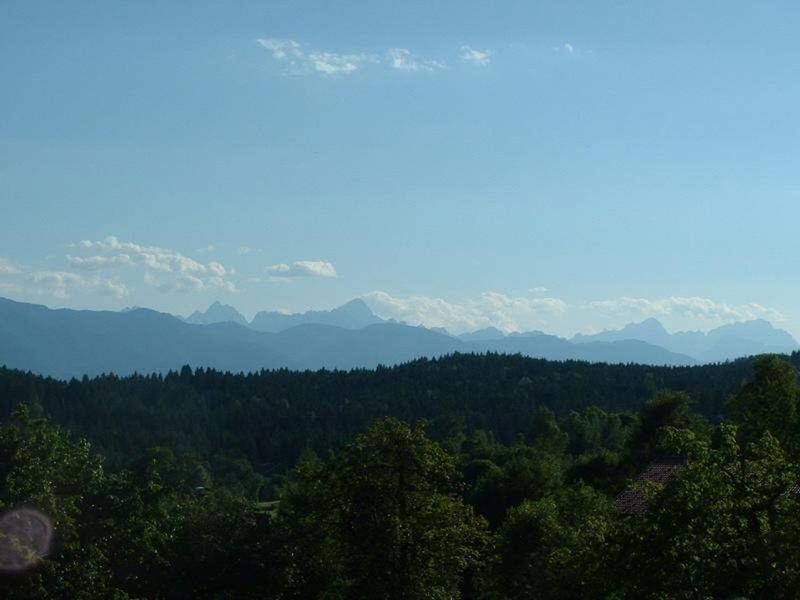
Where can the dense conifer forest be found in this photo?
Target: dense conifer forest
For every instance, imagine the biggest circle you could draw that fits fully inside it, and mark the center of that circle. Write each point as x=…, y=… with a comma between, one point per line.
x=270, y=417
x=471, y=476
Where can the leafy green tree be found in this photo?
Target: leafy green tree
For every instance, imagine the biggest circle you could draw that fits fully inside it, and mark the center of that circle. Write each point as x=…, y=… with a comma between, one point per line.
x=602, y=469
x=44, y=468
x=177, y=511
x=667, y=409
x=388, y=519
x=726, y=526
x=553, y=547
x=769, y=402
x=269, y=417
x=222, y=547
x=528, y=475
x=175, y=535
x=312, y=556
x=594, y=429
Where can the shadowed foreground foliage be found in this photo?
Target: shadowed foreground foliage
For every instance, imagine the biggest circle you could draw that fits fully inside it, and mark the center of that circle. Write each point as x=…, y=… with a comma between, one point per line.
x=422, y=509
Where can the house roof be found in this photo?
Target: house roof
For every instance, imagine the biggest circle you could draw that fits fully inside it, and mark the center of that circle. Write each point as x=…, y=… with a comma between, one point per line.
x=633, y=500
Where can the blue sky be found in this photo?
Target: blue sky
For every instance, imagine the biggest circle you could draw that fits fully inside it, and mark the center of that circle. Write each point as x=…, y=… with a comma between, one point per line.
x=530, y=165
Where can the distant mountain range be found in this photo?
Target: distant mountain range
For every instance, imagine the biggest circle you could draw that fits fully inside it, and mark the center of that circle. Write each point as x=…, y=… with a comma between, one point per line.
x=482, y=335
x=217, y=313
x=723, y=343
x=351, y=315
x=70, y=343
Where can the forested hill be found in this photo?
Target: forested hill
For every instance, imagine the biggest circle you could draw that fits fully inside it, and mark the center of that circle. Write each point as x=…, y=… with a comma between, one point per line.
x=269, y=417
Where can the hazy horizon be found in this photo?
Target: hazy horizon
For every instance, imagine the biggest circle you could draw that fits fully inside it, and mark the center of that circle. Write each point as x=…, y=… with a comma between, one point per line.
x=566, y=167
x=375, y=308
x=560, y=167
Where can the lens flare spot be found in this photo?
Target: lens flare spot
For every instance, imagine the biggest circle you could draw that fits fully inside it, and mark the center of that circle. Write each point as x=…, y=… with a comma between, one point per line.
x=25, y=537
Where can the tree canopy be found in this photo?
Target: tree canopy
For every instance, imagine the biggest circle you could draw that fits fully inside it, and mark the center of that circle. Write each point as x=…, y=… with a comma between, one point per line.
x=448, y=500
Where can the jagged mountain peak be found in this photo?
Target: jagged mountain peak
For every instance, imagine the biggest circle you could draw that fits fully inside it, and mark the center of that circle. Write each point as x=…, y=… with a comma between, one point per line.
x=353, y=314
x=356, y=306
x=733, y=340
x=217, y=312
x=649, y=324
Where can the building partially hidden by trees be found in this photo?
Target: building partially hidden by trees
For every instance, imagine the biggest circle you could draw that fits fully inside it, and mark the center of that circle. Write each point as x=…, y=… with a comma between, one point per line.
x=463, y=502
x=634, y=499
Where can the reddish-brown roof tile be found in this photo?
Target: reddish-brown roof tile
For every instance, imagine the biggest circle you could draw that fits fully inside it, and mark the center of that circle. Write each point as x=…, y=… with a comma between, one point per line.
x=633, y=501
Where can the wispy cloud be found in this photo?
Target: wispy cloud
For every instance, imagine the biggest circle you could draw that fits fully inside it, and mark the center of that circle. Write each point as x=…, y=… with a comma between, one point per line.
x=8, y=267
x=56, y=283
x=565, y=48
x=301, y=268
x=494, y=309
x=300, y=59
x=282, y=49
x=93, y=263
x=697, y=308
x=330, y=63
x=476, y=57
x=404, y=60
x=522, y=313
x=62, y=284
x=167, y=270
x=185, y=283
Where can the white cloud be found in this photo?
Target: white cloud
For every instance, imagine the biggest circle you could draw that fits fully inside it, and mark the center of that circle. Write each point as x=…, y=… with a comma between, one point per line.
x=476, y=57
x=697, y=308
x=92, y=263
x=300, y=59
x=62, y=284
x=566, y=48
x=216, y=269
x=7, y=267
x=539, y=290
x=110, y=287
x=489, y=309
x=320, y=61
x=58, y=283
x=302, y=268
x=168, y=270
x=281, y=49
x=221, y=284
x=403, y=60
x=181, y=284
x=330, y=63
x=554, y=315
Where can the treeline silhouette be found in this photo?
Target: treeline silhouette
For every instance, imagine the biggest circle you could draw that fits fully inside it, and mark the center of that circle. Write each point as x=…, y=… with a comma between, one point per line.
x=472, y=476
x=270, y=417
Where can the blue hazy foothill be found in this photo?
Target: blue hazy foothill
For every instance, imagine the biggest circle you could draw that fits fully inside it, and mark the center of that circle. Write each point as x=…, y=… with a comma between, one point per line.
x=71, y=343
x=723, y=343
